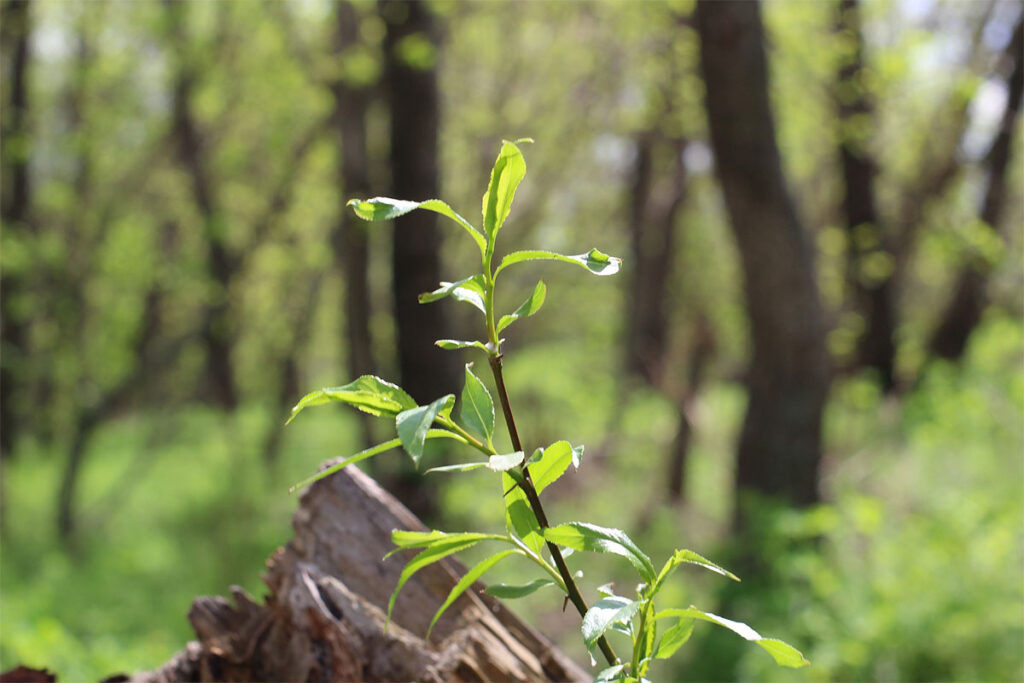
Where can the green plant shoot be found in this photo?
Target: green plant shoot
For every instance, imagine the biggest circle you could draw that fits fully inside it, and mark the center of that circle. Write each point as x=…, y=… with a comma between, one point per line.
x=652, y=633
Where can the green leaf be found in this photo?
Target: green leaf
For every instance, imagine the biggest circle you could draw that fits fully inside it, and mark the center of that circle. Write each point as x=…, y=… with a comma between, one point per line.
x=502, y=463
x=454, y=344
x=673, y=639
x=551, y=465
x=358, y=457
x=783, y=653
x=496, y=463
x=505, y=591
x=459, y=467
x=477, y=408
x=612, y=673
x=470, y=290
x=595, y=261
x=385, y=208
x=467, y=581
x=412, y=426
x=528, y=307
x=368, y=393
x=605, y=612
x=509, y=169
x=593, y=538
x=424, y=539
x=432, y=554
x=519, y=517
x=689, y=557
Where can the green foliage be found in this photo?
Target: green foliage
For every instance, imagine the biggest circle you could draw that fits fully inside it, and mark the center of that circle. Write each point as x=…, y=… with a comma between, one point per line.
x=522, y=480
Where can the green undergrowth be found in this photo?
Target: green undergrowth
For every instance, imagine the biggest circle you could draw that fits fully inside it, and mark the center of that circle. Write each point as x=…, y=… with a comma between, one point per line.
x=916, y=573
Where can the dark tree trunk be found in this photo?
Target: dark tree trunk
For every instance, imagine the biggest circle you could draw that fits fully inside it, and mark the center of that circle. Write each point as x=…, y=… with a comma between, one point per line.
x=873, y=296
x=780, y=445
x=219, y=379
x=15, y=199
x=653, y=210
x=964, y=310
x=426, y=371
x=702, y=348
x=349, y=237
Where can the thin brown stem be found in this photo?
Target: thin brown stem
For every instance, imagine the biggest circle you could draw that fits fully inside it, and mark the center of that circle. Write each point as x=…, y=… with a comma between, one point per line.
x=538, y=510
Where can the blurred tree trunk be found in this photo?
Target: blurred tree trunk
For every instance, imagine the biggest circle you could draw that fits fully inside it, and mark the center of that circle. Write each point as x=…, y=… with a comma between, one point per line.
x=192, y=152
x=410, y=53
x=873, y=293
x=963, y=312
x=15, y=200
x=653, y=210
x=702, y=347
x=780, y=445
x=349, y=237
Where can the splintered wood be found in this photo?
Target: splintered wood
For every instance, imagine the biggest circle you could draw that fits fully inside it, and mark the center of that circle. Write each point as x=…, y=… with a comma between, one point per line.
x=324, y=617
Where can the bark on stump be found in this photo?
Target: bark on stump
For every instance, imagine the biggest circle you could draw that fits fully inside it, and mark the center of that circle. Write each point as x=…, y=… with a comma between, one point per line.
x=324, y=617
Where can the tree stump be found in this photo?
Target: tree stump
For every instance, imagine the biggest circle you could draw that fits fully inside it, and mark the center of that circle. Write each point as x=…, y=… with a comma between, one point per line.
x=324, y=617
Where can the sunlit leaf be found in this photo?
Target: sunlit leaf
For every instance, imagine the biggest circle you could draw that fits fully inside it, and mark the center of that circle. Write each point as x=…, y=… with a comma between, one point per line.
x=477, y=408
x=509, y=169
x=527, y=308
x=454, y=344
x=458, y=467
x=358, y=457
x=593, y=538
x=552, y=463
x=467, y=581
x=674, y=638
x=611, y=674
x=689, y=557
x=469, y=290
x=783, y=653
x=605, y=612
x=368, y=393
x=505, y=591
x=519, y=517
x=412, y=426
x=430, y=555
x=502, y=463
x=595, y=261
x=404, y=540
x=385, y=208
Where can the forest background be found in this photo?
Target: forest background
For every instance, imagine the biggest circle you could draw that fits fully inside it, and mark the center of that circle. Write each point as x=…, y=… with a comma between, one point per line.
x=177, y=270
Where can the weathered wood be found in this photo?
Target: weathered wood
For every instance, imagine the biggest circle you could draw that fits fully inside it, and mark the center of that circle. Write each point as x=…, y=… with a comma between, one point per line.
x=324, y=617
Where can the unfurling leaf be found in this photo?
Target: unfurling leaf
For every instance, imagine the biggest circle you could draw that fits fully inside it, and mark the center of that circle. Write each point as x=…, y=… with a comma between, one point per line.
x=477, y=408
x=595, y=261
x=385, y=208
x=509, y=169
x=527, y=308
x=368, y=393
x=412, y=426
